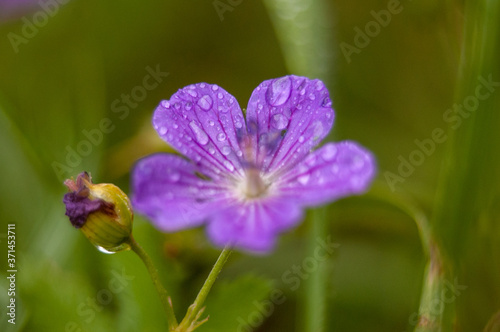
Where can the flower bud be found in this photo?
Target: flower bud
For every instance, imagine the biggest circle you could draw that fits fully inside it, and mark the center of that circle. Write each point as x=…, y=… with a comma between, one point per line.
x=101, y=211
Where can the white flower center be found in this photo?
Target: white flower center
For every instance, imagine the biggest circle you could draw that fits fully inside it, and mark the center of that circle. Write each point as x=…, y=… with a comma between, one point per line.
x=252, y=186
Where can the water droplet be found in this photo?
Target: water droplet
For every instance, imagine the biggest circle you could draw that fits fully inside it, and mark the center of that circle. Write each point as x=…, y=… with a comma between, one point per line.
x=228, y=165
x=192, y=93
x=174, y=176
x=215, y=87
x=318, y=130
x=175, y=125
x=163, y=130
x=201, y=136
x=221, y=137
x=279, y=91
x=301, y=139
x=223, y=109
x=211, y=123
x=319, y=85
x=165, y=103
x=239, y=153
x=357, y=163
x=304, y=178
x=211, y=150
x=219, y=95
x=279, y=121
x=329, y=152
x=188, y=106
x=326, y=102
x=205, y=102
x=312, y=96
x=101, y=249
x=202, y=85
x=177, y=106
x=302, y=85
x=226, y=150
x=238, y=124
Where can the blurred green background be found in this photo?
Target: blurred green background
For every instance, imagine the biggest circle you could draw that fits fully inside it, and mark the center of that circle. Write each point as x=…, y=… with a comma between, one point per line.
x=60, y=77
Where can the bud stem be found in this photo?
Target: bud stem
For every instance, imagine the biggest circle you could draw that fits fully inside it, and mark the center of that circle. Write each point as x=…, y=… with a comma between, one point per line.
x=162, y=292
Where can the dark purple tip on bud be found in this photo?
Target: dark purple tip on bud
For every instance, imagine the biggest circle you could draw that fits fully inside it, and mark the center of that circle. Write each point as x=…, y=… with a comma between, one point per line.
x=79, y=207
x=77, y=201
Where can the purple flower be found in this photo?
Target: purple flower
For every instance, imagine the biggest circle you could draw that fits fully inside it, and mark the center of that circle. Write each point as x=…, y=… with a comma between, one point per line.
x=247, y=179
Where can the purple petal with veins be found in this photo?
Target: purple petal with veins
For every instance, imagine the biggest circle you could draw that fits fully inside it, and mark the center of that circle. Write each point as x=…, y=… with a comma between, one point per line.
x=247, y=179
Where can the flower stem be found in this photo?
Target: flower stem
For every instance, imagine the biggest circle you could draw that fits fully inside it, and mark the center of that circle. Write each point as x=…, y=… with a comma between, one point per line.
x=190, y=321
x=162, y=292
x=315, y=302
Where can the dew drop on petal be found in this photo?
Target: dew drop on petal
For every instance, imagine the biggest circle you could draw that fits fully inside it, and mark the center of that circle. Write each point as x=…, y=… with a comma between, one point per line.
x=211, y=150
x=318, y=130
x=329, y=152
x=304, y=178
x=174, y=176
x=279, y=91
x=226, y=150
x=165, y=103
x=221, y=137
x=228, y=165
x=279, y=121
x=211, y=123
x=301, y=139
x=357, y=163
x=312, y=96
x=177, y=106
x=215, y=87
x=188, y=106
x=319, y=85
x=202, y=85
x=201, y=136
x=175, y=125
x=238, y=125
x=205, y=102
x=326, y=102
x=219, y=95
x=192, y=93
x=163, y=130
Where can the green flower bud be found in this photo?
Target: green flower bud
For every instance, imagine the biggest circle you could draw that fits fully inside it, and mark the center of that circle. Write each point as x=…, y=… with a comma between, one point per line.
x=101, y=211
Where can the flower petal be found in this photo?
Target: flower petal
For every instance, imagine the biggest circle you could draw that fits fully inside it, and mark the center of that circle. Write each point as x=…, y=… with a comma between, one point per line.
x=167, y=190
x=204, y=123
x=253, y=225
x=331, y=172
x=286, y=118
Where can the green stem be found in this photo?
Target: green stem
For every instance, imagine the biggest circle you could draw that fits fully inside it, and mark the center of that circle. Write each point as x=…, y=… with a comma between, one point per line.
x=190, y=321
x=162, y=292
x=315, y=302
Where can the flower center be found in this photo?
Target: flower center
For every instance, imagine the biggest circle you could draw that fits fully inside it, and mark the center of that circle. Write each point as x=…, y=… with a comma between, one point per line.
x=253, y=186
